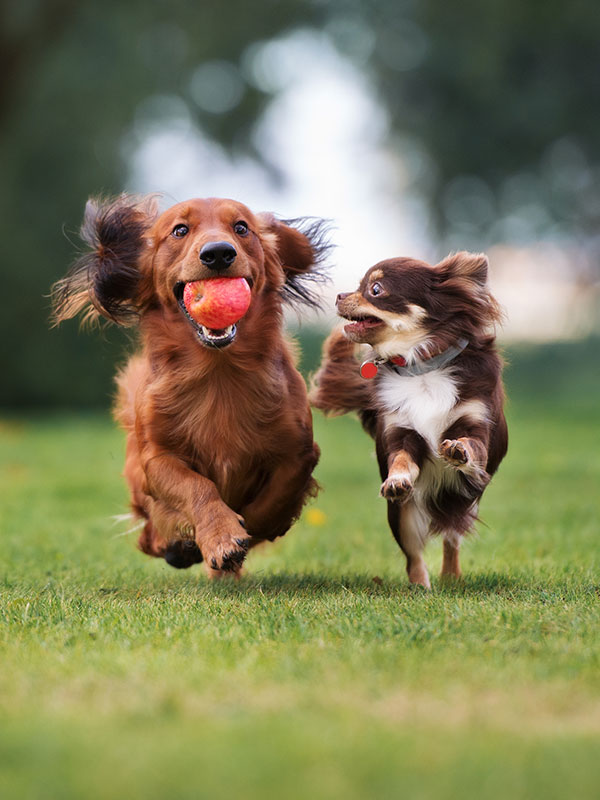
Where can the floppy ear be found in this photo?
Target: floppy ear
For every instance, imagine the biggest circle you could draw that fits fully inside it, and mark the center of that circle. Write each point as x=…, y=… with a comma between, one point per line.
x=473, y=266
x=301, y=247
x=107, y=281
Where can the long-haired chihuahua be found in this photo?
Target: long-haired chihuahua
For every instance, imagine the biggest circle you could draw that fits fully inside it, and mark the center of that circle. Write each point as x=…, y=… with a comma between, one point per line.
x=429, y=391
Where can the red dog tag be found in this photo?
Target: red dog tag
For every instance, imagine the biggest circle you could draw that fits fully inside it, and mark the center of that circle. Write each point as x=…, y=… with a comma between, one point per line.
x=368, y=369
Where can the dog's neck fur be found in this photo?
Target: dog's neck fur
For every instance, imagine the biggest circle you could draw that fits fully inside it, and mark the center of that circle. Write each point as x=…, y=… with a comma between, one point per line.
x=418, y=346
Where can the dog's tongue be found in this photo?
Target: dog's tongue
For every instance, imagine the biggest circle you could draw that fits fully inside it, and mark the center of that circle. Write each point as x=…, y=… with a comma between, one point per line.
x=217, y=303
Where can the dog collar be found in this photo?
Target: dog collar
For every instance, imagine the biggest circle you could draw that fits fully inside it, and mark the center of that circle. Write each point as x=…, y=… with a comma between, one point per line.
x=370, y=367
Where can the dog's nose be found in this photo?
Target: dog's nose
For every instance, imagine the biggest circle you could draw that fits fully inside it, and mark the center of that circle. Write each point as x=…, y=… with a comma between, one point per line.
x=218, y=255
x=341, y=297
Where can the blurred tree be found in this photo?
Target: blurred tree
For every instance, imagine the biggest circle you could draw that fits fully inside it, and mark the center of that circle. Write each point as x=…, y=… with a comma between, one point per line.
x=492, y=105
x=501, y=96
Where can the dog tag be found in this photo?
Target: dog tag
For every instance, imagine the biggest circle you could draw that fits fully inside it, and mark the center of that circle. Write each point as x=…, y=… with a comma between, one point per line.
x=368, y=369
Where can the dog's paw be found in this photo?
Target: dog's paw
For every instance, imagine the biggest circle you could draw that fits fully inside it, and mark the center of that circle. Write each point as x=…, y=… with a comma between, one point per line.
x=225, y=550
x=182, y=553
x=454, y=452
x=397, y=488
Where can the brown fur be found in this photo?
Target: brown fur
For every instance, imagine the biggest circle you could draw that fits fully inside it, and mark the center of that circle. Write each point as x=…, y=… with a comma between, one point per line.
x=220, y=451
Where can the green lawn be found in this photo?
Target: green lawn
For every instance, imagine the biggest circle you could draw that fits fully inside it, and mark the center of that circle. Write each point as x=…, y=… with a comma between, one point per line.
x=123, y=678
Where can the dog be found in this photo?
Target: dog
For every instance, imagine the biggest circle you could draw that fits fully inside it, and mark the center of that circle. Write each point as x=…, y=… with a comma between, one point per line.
x=429, y=392
x=220, y=450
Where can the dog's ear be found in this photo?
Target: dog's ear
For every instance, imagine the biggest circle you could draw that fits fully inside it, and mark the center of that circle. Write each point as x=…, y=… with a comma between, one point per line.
x=301, y=246
x=107, y=280
x=463, y=283
x=472, y=266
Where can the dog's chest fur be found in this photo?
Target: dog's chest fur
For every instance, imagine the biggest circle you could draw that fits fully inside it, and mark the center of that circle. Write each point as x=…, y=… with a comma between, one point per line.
x=424, y=403
x=427, y=404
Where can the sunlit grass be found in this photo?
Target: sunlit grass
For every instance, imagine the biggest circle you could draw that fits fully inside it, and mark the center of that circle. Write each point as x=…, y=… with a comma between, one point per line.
x=124, y=678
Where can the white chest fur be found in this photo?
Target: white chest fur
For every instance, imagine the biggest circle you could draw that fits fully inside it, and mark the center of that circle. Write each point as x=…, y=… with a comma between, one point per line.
x=424, y=403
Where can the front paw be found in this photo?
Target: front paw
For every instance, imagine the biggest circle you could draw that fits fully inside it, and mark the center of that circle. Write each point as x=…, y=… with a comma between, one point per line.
x=225, y=548
x=454, y=452
x=397, y=488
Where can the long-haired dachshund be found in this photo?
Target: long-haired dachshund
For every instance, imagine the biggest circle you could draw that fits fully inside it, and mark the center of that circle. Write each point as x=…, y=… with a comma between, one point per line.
x=220, y=449
x=429, y=391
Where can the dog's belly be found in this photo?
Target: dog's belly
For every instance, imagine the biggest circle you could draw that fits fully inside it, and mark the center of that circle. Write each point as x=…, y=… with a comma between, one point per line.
x=423, y=403
x=429, y=404
x=436, y=476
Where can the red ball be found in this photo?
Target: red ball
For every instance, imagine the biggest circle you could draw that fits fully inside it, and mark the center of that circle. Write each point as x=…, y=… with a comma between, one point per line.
x=217, y=303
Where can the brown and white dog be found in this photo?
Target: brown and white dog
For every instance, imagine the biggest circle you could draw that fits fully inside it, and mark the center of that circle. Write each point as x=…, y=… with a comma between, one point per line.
x=220, y=448
x=430, y=393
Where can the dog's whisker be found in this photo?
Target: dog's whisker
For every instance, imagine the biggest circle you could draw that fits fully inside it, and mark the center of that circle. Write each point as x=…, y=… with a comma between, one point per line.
x=135, y=528
x=118, y=518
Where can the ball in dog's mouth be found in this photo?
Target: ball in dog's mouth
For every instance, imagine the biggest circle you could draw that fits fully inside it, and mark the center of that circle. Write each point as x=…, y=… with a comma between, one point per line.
x=213, y=306
x=217, y=303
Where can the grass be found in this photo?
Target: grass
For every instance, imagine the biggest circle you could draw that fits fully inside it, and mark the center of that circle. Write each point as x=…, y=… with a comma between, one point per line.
x=121, y=677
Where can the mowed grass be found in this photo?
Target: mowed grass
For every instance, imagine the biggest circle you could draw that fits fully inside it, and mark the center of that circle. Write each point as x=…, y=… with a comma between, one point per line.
x=121, y=677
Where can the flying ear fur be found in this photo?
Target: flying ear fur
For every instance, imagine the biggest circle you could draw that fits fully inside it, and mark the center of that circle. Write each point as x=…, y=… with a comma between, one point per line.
x=302, y=247
x=106, y=280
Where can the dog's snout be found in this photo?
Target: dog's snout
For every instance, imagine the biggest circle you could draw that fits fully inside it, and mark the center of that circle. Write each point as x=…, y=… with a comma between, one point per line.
x=218, y=255
x=341, y=297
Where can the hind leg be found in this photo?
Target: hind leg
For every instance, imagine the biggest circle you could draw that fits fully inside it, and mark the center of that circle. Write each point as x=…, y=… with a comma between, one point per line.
x=166, y=535
x=452, y=539
x=411, y=526
x=450, y=559
x=279, y=503
x=400, y=454
x=150, y=540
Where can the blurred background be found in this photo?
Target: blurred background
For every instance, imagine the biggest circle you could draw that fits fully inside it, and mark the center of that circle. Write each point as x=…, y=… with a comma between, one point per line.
x=416, y=127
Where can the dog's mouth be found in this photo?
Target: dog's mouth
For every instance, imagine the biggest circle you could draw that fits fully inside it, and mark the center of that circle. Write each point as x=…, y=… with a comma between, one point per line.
x=209, y=337
x=361, y=323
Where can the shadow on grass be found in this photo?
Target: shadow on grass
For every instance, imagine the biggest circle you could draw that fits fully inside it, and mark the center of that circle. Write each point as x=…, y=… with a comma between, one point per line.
x=522, y=587
x=519, y=587
x=479, y=584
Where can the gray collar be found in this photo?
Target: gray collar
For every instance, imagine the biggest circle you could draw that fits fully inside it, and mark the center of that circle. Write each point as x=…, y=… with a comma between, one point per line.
x=420, y=367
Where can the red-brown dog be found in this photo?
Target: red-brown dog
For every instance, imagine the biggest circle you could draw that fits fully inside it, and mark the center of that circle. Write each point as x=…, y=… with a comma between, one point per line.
x=429, y=392
x=220, y=449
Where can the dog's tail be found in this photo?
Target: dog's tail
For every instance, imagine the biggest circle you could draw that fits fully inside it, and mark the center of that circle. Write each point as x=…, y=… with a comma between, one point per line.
x=337, y=387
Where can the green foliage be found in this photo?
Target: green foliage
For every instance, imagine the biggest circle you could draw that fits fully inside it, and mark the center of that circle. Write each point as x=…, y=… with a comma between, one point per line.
x=492, y=107
x=482, y=90
x=123, y=677
x=500, y=95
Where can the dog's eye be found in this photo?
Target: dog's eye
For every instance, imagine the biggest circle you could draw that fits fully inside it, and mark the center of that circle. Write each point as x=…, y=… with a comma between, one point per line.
x=241, y=228
x=376, y=289
x=179, y=231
